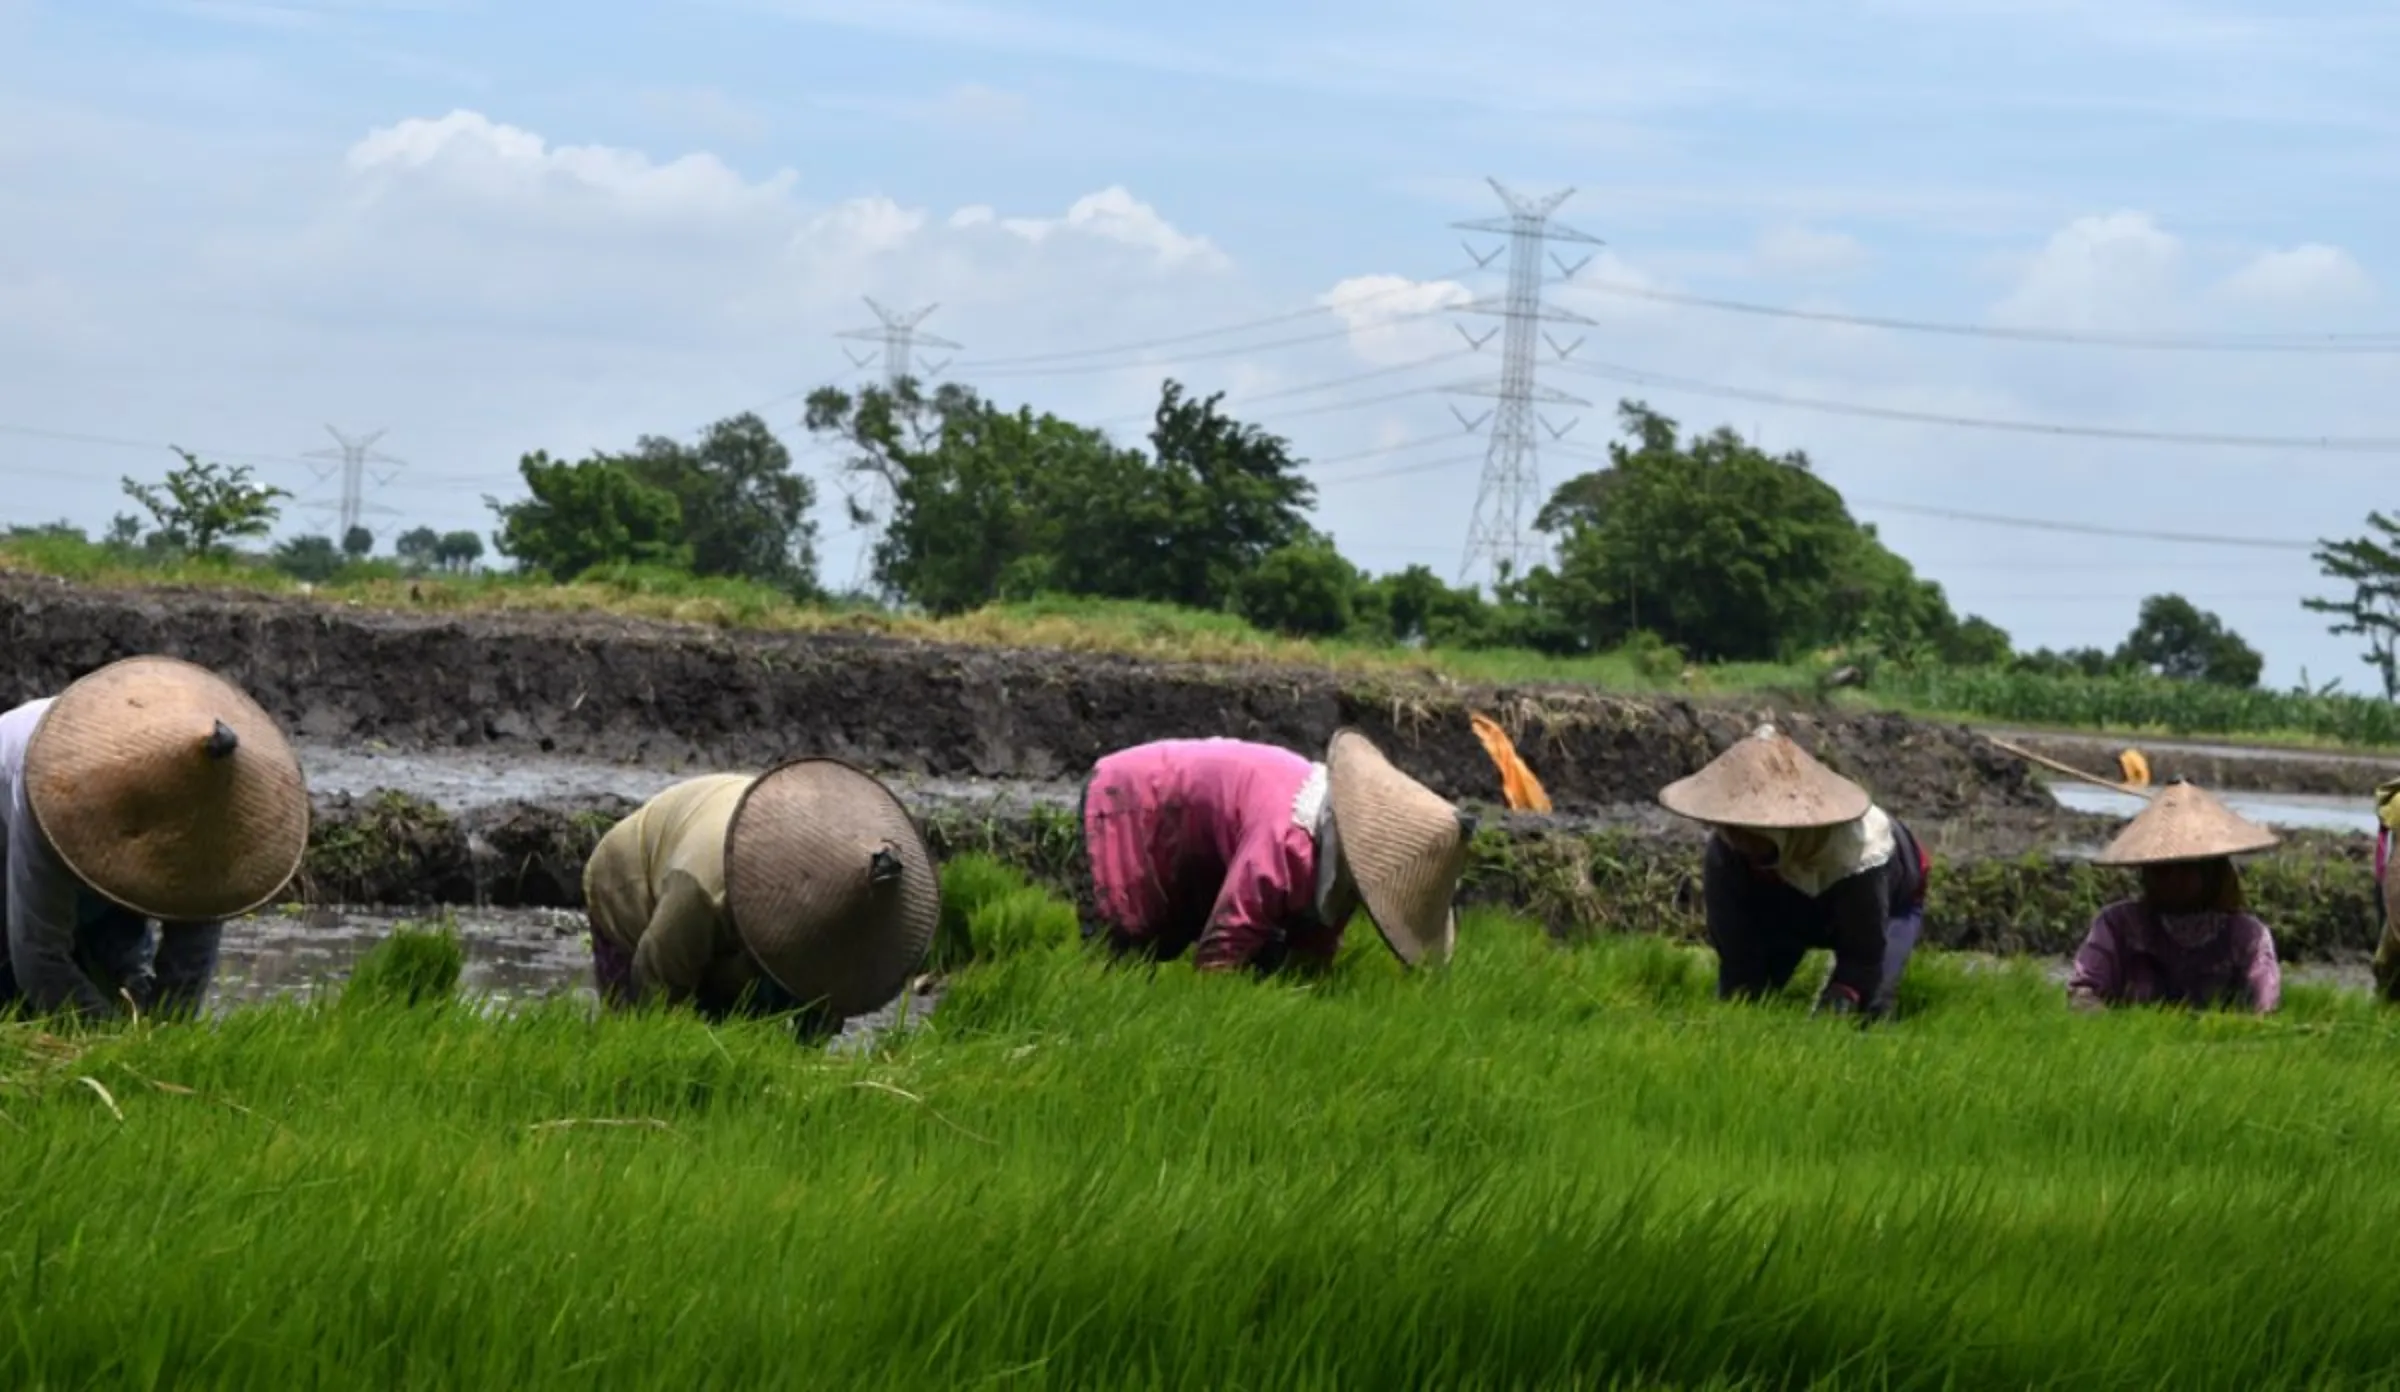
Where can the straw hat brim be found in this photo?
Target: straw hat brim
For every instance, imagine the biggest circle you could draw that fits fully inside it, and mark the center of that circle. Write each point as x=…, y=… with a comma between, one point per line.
x=121, y=781
x=798, y=853
x=2185, y=823
x=1766, y=780
x=1403, y=845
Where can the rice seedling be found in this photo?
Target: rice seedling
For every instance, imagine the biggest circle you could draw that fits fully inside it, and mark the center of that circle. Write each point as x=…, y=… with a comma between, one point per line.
x=1546, y=1166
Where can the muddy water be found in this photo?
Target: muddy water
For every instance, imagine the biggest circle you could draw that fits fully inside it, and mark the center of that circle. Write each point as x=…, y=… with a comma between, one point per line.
x=2301, y=811
x=462, y=780
x=512, y=956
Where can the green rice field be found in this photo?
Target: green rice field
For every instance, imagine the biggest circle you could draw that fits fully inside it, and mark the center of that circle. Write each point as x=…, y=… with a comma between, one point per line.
x=1546, y=1167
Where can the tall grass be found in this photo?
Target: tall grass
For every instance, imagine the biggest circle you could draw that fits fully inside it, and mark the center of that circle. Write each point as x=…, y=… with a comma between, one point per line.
x=2144, y=704
x=1542, y=1168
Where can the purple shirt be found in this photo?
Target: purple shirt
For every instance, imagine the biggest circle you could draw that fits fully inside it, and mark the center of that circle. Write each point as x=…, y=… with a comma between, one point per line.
x=2128, y=958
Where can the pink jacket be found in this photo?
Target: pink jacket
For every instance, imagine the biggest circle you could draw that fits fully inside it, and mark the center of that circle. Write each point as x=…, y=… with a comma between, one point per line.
x=2128, y=959
x=1208, y=841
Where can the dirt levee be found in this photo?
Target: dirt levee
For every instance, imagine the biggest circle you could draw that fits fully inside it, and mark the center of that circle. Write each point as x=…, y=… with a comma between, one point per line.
x=672, y=696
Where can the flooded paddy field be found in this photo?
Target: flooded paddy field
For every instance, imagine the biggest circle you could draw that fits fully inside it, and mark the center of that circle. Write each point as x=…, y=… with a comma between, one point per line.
x=513, y=956
x=520, y=955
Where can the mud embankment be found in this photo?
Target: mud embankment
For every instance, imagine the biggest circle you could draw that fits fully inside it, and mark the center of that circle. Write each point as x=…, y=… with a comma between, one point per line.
x=2228, y=768
x=675, y=697
x=2007, y=883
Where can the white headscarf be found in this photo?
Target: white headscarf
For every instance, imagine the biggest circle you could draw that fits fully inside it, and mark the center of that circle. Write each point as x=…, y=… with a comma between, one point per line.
x=1811, y=859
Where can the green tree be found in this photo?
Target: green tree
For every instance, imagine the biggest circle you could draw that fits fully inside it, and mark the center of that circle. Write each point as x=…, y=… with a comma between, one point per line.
x=203, y=505
x=1303, y=589
x=1977, y=642
x=2173, y=638
x=587, y=513
x=1232, y=494
x=979, y=498
x=745, y=510
x=358, y=543
x=2370, y=565
x=1722, y=550
x=311, y=558
x=124, y=531
x=1415, y=606
x=458, y=551
x=417, y=547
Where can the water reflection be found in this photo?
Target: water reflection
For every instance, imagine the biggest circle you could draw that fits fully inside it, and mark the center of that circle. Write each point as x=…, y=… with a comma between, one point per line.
x=2299, y=811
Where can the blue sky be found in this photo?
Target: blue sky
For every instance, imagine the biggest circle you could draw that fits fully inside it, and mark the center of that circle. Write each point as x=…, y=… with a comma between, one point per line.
x=493, y=228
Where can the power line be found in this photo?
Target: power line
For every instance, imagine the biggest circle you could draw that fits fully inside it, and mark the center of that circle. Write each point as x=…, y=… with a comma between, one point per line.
x=2373, y=344
x=1146, y=345
x=2335, y=443
x=1511, y=474
x=2041, y=524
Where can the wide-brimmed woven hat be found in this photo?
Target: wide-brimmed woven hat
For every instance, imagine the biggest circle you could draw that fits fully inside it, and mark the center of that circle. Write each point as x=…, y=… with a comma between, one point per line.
x=1767, y=781
x=829, y=884
x=2184, y=822
x=1404, y=844
x=168, y=790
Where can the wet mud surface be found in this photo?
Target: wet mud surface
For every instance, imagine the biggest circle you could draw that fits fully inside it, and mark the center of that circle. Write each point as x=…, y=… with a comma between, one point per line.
x=673, y=699
x=512, y=957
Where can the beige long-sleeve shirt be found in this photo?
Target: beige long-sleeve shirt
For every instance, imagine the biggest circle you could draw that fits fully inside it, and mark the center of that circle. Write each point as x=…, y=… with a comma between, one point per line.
x=655, y=885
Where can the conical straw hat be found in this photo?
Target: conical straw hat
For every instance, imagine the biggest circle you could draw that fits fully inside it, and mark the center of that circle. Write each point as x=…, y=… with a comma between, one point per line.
x=168, y=790
x=2185, y=823
x=1405, y=846
x=1765, y=780
x=829, y=884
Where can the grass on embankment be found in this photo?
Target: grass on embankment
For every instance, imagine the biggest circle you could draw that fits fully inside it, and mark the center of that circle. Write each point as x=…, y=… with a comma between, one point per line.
x=1546, y=1168
x=2124, y=705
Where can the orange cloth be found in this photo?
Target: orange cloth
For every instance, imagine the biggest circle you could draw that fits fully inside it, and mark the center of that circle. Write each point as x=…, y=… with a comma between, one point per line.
x=1517, y=783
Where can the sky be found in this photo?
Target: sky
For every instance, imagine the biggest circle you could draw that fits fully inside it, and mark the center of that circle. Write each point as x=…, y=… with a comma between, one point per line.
x=487, y=228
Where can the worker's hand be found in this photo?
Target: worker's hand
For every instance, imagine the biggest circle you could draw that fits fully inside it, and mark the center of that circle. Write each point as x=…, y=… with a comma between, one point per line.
x=1836, y=999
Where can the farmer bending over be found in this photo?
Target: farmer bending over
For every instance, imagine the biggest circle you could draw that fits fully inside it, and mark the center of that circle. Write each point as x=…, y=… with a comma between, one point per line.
x=2187, y=938
x=805, y=889
x=2387, y=902
x=1256, y=857
x=1801, y=857
x=145, y=805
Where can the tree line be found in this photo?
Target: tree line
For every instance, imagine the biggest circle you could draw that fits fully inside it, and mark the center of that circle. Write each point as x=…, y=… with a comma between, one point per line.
x=1684, y=547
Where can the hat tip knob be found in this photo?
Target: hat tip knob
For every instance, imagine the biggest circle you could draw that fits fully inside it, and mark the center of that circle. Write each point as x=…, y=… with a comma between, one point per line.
x=883, y=866
x=221, y=742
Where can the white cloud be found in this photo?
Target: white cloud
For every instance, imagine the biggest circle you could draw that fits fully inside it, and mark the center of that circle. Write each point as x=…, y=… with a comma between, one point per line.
x=469, y=154
x=2309, y=277
x=1115, y=215
x=1806, y=252
x=1393, y=319
x=2114, y=272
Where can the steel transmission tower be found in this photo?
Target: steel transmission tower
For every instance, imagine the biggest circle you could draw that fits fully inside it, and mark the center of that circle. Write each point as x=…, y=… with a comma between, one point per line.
x=1509, y=494
x=353, y=458
x=900, y=338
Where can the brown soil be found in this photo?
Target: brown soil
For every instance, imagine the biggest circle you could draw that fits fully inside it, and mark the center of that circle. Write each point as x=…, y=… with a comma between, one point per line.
x=670, y=696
